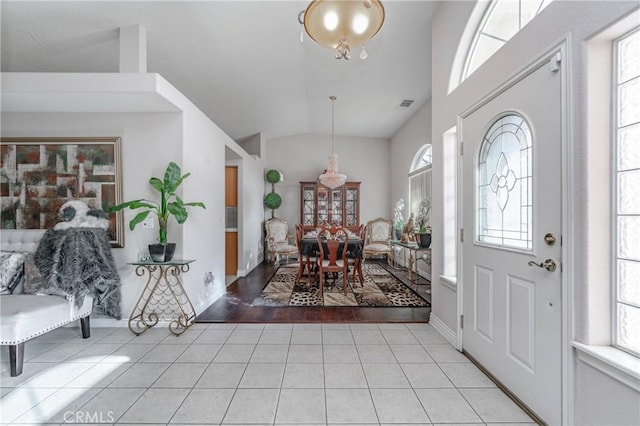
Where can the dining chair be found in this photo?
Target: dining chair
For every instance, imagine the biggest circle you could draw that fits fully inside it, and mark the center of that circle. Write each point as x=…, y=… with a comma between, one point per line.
x=329, y=241
x=278, y=240
x=356, y=261
x=378, y=238
x=304, y=261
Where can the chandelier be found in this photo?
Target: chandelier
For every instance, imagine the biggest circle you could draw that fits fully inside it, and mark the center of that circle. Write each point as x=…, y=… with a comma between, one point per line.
x=341, y=24
x=332, y=177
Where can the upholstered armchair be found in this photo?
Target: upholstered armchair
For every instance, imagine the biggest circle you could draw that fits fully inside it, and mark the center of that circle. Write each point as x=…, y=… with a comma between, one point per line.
x=377, y=238
x=278, y=240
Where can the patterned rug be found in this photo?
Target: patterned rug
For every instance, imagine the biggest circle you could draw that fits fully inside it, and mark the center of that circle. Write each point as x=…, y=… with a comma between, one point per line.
x=381, y=288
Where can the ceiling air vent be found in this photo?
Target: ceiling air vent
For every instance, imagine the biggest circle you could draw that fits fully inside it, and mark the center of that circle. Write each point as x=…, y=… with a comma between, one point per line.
x=406, y=103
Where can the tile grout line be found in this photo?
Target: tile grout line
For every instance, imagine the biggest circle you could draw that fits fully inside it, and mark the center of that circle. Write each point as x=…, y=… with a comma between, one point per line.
x=404, y=373
x=147, y=388
x=366, y=380
x=235, y=391
x=353, y=331
x=193, y=387
x=138, y=361
x=20, y=386
x=284, y=372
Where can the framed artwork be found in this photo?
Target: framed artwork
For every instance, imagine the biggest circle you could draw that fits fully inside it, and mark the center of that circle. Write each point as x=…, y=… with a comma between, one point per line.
x=38, y=175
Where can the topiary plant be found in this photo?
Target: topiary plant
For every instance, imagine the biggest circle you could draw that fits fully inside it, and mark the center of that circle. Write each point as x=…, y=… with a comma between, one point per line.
x=272, y=200
x=273, y=176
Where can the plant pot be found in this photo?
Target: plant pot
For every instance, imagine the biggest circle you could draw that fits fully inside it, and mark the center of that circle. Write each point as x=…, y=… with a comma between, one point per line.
x=423, y=240
x=162, y=252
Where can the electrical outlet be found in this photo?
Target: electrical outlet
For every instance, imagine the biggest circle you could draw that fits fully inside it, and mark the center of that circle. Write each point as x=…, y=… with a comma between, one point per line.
x=148, y=223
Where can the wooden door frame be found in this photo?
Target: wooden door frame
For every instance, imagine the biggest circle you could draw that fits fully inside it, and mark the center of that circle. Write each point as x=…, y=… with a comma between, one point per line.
x=568, y=263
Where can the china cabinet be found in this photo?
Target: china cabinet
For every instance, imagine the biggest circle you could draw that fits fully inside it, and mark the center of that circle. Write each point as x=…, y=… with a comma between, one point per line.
x=340, y=206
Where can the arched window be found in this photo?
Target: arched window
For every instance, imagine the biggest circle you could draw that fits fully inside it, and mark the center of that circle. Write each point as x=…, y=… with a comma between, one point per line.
x=422, y=159
x=501, y=20
x=420, y=177
x=504, y=204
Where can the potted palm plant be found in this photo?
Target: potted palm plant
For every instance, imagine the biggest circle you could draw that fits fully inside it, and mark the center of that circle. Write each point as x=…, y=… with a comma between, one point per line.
x=169, y=205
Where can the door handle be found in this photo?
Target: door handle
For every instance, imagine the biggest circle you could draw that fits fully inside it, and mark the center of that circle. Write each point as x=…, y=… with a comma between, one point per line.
x=549, y=264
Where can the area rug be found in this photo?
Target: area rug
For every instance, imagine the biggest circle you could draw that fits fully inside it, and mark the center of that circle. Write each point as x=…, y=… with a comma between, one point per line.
x=381, y=288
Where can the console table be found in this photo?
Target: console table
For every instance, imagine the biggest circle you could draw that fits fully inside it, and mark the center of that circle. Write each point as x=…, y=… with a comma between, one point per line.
x=414, y=251
x=163, y=297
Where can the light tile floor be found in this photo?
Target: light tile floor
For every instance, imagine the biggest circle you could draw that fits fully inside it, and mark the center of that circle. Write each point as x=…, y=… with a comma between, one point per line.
x=241, y=374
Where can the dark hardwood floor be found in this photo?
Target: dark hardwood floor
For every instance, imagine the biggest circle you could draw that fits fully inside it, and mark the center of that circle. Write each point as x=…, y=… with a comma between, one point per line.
x=235, y=306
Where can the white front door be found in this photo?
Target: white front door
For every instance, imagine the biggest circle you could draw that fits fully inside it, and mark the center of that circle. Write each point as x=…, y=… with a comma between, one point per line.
x=511, y=200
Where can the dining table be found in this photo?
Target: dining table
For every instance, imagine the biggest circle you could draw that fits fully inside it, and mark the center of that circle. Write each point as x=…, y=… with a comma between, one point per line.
x=309, y=247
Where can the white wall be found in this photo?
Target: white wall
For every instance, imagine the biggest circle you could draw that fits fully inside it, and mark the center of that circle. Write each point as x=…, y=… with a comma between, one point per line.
x=404, y=145
x=601, y=400
x=149, y=142
x=580, y=21
x=203, y=145
x=304, y=157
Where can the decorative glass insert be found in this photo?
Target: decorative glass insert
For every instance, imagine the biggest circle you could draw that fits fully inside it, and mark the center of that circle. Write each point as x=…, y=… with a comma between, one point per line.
x=323, y=205
x=350, y=207
x=505, y=184
x=308, y=205
x=626, y=183
x=336, y=206
x=501, y=21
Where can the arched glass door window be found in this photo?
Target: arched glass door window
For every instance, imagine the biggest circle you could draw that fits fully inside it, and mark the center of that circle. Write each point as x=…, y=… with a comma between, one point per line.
x=501, y=21
x=505, y=184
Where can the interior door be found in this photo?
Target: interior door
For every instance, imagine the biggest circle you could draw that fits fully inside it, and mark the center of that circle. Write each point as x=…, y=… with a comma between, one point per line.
x=512, y=222
x=231, y=220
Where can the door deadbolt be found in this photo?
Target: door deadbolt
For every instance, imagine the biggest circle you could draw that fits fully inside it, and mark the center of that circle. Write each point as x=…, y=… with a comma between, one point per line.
x=549, y=264
x=550, y=239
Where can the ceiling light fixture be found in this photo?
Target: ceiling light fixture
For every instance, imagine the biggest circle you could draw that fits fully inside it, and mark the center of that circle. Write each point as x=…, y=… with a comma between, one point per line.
x=332, y=177
x=341, y=24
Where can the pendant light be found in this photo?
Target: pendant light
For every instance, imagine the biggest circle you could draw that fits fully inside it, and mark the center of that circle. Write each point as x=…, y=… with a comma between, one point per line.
x=332, y=177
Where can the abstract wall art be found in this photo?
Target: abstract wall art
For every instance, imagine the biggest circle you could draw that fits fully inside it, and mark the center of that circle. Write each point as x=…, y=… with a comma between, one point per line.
x=38, y=175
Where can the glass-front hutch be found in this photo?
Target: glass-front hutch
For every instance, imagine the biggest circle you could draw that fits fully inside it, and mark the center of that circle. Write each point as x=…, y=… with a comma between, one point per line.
x=340, y=206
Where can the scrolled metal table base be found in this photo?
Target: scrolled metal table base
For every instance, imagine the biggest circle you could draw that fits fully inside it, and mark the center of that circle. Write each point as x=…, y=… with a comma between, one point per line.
x=163, y=298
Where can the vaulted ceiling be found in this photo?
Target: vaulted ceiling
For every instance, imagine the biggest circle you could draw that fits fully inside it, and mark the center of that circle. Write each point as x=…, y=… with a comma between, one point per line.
x=240, y=62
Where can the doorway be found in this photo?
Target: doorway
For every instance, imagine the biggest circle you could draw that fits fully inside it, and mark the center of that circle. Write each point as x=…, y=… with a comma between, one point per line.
x=511, y=249
x=231, y=222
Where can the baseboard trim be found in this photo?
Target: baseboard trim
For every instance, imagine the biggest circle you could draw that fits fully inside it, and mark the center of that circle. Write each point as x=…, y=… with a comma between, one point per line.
x=109, y=322
x=506, y=390
x=124, y=322
x=208, y=302
x=444, y=330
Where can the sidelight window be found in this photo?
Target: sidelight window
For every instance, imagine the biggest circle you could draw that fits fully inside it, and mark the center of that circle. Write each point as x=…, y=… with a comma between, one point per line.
x=626, y=183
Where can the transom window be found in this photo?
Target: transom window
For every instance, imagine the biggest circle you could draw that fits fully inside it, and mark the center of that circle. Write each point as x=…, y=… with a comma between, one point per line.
x=505, y=184
x=501, y=21
x=626, y=184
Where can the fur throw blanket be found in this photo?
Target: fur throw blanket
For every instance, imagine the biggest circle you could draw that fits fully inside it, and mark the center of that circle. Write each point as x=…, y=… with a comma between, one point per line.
x=78, y=262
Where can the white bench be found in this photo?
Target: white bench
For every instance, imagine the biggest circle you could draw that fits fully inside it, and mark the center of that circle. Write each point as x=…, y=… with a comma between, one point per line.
x=25, y=316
